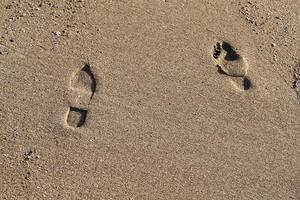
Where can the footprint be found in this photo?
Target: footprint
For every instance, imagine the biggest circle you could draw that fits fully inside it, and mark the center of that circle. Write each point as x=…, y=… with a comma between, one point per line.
x=83, y=85
x=76, y=117
x=232, y=64
x=84, y=81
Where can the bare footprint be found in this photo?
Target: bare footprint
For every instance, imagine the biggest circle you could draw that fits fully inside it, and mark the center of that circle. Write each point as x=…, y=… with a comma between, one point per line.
x=232, y=64
x=83, y=84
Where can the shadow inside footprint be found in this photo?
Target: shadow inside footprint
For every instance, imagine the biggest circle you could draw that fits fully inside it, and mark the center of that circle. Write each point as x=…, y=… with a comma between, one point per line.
x=221, y=71
x=76, y=117
x=231, y=54
x=241, y=83
x=247, y=83
x=217, y=50
x=87, y=69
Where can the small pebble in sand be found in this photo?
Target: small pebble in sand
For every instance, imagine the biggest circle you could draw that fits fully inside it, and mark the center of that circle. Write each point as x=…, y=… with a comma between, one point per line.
x=57, y=33
x=28, y=155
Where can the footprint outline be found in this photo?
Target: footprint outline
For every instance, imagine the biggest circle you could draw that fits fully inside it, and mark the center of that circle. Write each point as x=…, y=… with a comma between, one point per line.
x=231, y=63
x=83, y=82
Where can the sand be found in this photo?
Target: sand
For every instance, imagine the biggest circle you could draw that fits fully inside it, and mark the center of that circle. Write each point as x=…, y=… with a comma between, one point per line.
x=112, y=99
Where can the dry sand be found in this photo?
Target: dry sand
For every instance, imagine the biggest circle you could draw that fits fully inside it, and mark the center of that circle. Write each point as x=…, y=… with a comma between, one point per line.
x=137, y=99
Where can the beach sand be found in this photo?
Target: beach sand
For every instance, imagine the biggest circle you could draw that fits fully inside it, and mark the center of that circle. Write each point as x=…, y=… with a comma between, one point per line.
x=115, y=99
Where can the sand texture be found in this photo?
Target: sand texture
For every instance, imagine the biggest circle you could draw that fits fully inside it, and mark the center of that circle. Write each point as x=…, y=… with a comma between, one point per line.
x=150, y=99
